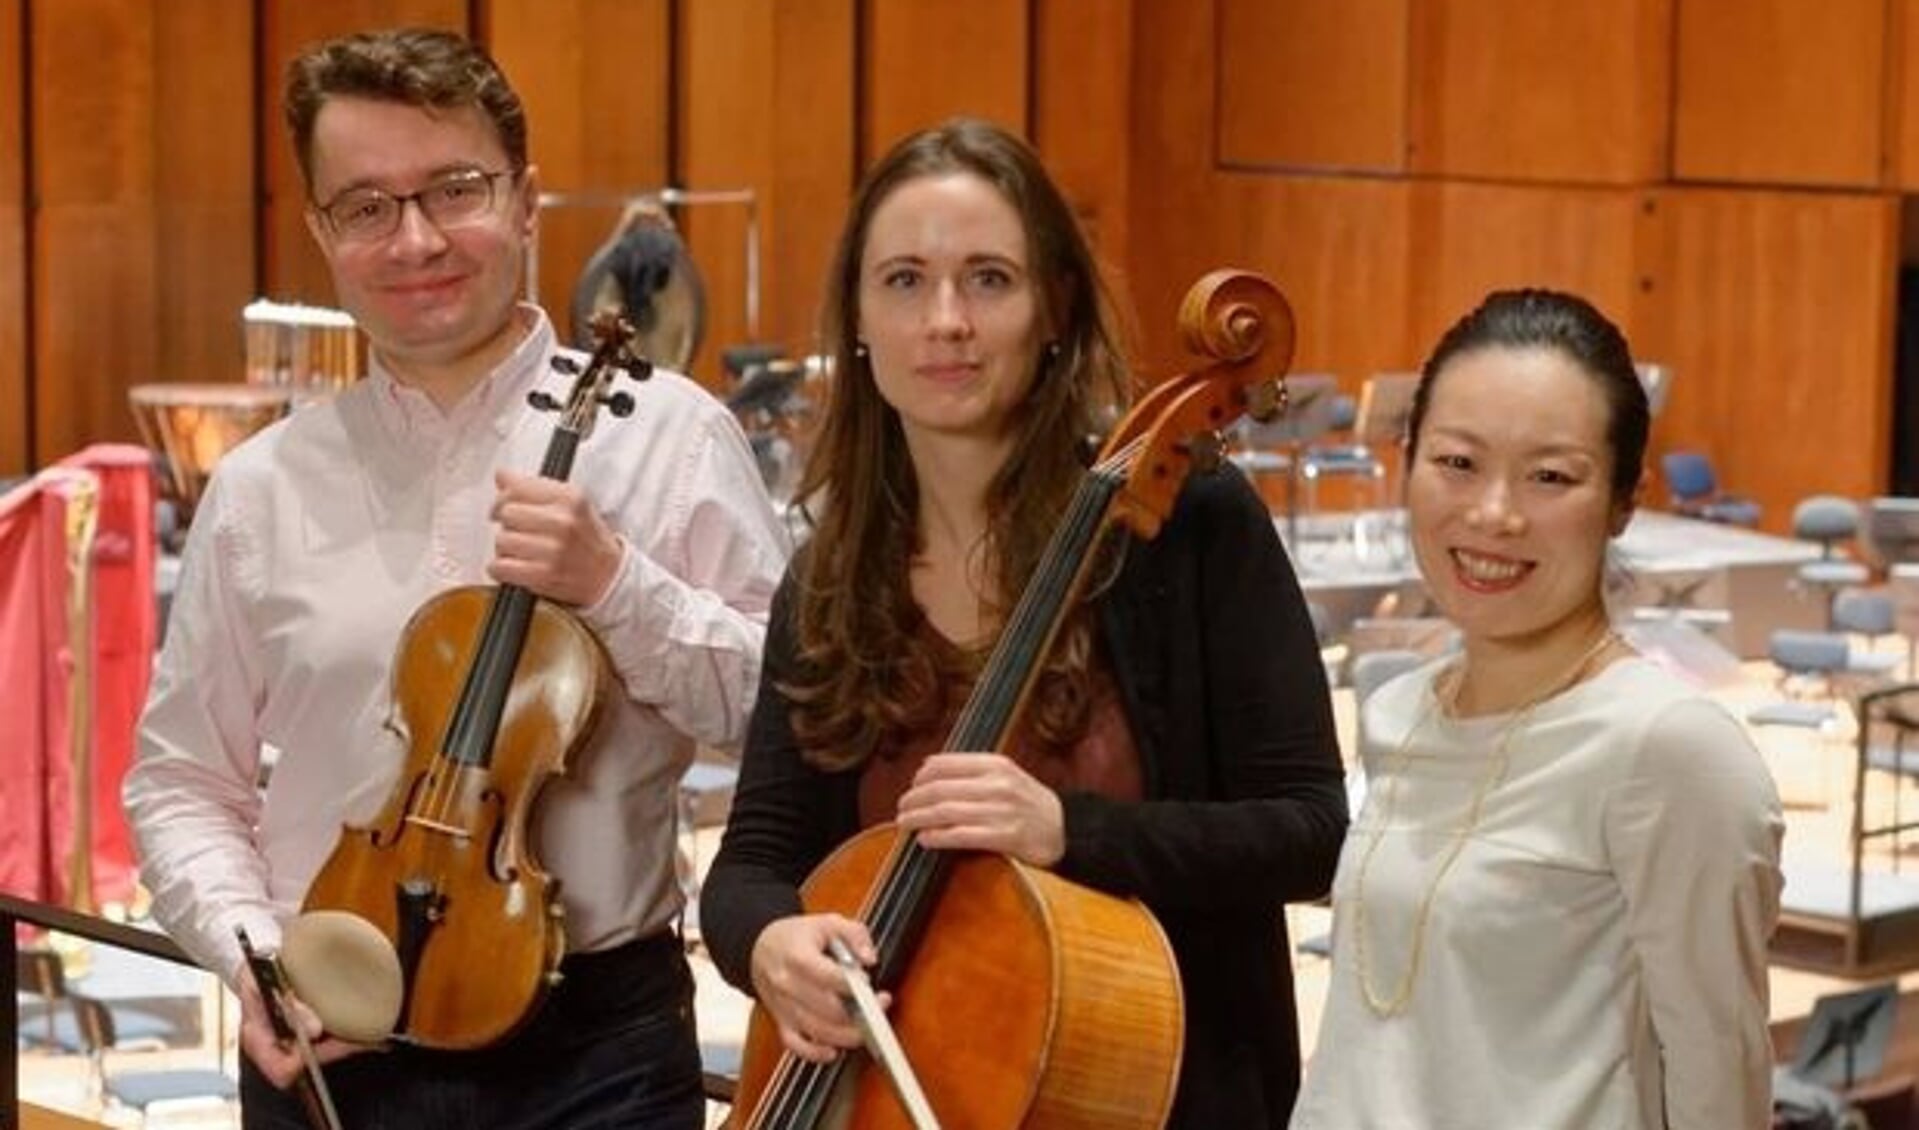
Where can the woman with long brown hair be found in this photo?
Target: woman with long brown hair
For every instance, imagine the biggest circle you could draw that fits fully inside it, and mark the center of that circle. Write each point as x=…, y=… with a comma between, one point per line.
x=1179, y=747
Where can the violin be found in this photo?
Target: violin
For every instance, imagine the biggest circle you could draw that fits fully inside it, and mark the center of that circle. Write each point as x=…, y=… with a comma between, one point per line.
x=1021, y=999
x=494, y=689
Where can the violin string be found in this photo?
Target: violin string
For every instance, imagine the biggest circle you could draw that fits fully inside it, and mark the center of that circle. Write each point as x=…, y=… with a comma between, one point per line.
x=483, y=671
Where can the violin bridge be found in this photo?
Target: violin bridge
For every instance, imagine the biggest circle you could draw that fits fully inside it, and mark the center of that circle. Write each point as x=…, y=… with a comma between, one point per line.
x=436, y=826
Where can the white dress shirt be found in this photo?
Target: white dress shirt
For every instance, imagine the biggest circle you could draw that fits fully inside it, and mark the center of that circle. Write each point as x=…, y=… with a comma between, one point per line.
x=1595, y=957
x=315, y=543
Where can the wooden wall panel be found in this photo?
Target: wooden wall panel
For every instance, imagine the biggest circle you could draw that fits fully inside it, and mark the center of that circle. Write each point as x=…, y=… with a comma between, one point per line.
x=726, y=54
x=1313, y=84
x=765, y=95
x=1779, y=309
x=1780, y=92
x=293, y=270
x=594, y=75
x=1471, y=238
x=920, y=63
x=1082, y=106
x=1340, y=249
x=1902, y=97
x=1574, y=90
x=1174, y=216
x=15, y=405
x=93, y=74
x=815, y=157
x=206, y=210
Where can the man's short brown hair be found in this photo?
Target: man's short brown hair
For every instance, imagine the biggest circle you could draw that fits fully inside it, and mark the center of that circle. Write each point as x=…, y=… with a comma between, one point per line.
x=423, y=67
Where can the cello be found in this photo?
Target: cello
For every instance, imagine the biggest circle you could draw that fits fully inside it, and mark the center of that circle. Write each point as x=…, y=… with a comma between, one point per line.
x=493, y=690
x=1022, y=999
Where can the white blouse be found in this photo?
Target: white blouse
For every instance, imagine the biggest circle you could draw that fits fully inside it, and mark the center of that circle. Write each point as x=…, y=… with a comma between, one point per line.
x=1596, y=954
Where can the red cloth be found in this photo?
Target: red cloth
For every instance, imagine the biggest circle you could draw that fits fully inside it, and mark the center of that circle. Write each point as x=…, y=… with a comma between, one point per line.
x=36, y=669
x=125, y=631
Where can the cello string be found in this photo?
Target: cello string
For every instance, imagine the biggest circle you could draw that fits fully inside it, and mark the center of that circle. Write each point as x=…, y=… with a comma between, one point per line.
x=987, y=713
x=796, y=1086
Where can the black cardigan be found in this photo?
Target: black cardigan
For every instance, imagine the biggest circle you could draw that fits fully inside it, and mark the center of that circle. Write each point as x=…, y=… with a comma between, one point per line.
x=1217, y=665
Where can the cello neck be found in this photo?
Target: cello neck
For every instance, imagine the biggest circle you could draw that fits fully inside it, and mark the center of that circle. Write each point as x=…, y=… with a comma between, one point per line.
x=904, y=897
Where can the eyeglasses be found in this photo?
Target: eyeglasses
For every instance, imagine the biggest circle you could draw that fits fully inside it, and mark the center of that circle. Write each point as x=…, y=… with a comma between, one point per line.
x=373, y=214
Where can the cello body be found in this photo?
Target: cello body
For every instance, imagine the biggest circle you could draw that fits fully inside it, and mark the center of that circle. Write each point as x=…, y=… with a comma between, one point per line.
x=1054, y=1006
x=470, y=987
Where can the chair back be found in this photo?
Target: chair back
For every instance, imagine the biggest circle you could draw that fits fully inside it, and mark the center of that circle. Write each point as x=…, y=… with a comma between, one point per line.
x=1688, y=476
x=1825, y=518
x=1865, y=612
x=1800, y=652
x=95, y=1022
x=39, y=971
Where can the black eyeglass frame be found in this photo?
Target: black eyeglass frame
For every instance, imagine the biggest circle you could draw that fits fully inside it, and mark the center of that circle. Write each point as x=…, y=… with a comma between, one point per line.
x=418, y=198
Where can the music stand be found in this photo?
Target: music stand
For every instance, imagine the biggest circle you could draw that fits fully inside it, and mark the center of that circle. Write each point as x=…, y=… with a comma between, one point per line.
x=1892, y=530
x=1847, y=1036
x=1309, y=413
x=1385, y=408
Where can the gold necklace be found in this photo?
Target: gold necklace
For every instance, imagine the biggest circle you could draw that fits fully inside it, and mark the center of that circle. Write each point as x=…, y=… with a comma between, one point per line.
x=1385, y=1006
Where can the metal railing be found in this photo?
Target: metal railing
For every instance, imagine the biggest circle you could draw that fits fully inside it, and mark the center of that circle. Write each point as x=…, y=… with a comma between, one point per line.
x=13, y=912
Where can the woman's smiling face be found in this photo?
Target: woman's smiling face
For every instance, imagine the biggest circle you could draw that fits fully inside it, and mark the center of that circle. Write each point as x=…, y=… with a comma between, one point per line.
x=1510, y=494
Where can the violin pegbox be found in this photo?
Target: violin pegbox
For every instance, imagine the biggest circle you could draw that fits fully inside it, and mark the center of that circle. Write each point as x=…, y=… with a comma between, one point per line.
x=592, y=385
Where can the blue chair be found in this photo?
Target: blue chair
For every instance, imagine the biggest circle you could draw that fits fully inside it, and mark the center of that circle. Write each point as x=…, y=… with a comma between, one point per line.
x=142, y=1090
x=1804, y=656
x=1871, y=614
x=1695, y=491
x=47, y=1020
x=1828, y=519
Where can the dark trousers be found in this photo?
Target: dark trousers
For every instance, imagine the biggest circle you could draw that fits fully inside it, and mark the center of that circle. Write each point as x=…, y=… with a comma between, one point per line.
x=612, y=1048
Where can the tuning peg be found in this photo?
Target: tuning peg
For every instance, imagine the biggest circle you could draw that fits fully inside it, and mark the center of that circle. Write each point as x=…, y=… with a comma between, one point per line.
x=619, y=403
x=1266, y=400
x=543, y=400
x=1205, y=450
x=637, y=367
x=564, y=364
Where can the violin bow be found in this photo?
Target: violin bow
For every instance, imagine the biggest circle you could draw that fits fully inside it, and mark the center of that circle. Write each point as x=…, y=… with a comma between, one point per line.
x=313, y=1087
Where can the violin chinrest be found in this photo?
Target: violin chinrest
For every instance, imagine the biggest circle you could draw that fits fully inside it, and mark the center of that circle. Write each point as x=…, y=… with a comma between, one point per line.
x=346, y=971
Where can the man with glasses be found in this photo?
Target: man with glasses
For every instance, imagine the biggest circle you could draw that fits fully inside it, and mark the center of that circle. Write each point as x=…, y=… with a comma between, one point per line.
x=317, y=541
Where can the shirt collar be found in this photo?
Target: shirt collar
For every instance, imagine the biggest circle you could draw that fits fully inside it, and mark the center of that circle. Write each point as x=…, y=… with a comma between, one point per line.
x=409, y=413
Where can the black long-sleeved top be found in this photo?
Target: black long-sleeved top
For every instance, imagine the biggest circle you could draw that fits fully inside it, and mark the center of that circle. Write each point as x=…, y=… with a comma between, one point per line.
x=1219, y=674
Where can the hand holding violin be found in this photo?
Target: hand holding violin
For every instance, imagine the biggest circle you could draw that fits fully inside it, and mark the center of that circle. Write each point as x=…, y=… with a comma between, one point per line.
x=551, y=541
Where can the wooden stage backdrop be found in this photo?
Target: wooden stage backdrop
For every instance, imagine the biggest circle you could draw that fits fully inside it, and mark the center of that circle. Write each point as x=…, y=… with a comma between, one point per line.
x=1723, y=176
